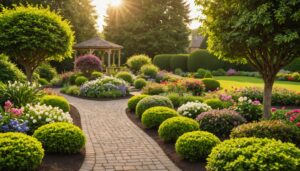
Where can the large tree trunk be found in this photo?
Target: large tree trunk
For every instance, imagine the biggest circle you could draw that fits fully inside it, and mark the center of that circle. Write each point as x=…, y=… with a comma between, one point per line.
x=268, y=98
x=29, y=73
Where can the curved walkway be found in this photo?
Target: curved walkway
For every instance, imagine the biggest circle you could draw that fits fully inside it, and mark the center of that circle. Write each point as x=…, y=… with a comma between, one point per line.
x=114, y=142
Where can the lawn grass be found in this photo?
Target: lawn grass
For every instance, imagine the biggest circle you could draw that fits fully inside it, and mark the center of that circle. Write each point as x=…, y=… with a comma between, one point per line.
x=230, y=82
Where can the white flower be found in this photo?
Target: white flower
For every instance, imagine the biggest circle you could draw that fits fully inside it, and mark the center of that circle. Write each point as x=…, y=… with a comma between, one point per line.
x=34, y=121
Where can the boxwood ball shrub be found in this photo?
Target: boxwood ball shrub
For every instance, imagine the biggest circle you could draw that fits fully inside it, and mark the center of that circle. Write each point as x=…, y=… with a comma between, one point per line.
x=81, y=80
x=60, y=137
x=9, y=71
x=154, y=116
x=149, y=70
x=136, y=62
x=140, y=83
x=276, y=129
x=152, y=101
x=214, y=103
x=20, y=152
x=96, y=74
x=133, y=101
x=211, y=84
x=254, y=154
x=87, y=64
x=56, y=101
x=173, y=128
x=196, y=145
x=126, y=76
x=72, y=77
x=46, y=71
x=163, y=61
x=220, y=122
x=208, y=75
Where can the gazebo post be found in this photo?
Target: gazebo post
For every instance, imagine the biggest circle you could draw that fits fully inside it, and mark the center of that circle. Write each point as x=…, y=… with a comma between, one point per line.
x=109, y=55
x=114, y=54
x=119, y=58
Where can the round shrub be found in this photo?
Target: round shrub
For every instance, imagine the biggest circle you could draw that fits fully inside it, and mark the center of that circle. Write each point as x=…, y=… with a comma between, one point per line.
x=250, y=110
x=208, y=75
x=9, y=71
x=220, y=122
x=149, y=70
x=56, y=101
x=211, y=84
x=140, y=83
x=133, y=101
x=219, y=72
x=60, y=137
x=196, y=145
x=136, y=62
x=214, y=103
x=19, y=152
x=200, y=73
x=152, y=101
x=81, y=80
x=126, y=76
x=154, y=116
x=254, y=154
x=179, y=61
x=87, y=64
x=43, y=82
x=276, y=129
x=46, y=71
x=96, y=74
x=163, y=61
x=173, y=128
x=73, y=76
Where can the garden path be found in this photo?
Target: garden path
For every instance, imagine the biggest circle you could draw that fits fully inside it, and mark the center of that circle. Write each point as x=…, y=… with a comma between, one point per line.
x=114, y=142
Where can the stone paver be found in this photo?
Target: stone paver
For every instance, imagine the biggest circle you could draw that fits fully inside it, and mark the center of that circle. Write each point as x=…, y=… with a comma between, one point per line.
x=114, y=142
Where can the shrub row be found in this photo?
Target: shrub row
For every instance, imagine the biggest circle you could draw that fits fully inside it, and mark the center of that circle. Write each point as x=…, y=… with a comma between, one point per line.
x=170, y=62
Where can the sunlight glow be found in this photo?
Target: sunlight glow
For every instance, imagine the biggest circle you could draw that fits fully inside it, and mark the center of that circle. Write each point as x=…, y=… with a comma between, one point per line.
x=115, y=2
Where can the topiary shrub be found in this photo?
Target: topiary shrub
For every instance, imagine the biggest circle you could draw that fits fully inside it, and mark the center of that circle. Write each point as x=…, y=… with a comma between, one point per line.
x=126, y=76
x=163, y=61
x=81, y=80
x=20, y=152
x=56, y=101
x=154, y=116
x=254, y=154
x=179, y=61
x=72, y=77
x=149, y=70
x=153, y=89
x=211, y=84
x=152, y=101
x=46, y=71
x=60, y=137
x=208, y=75
x=43, y=82
x=276, y=129
x=136, y=62
x=140, y=83
x=173, y=128
x=87, y=64
x=214, y=103
x=220, y=122
x=200, y=73
x=9, y=71
x=219, y=72
x=134, y=100
x=203, y=59
x=96, y=75
x=196, y=145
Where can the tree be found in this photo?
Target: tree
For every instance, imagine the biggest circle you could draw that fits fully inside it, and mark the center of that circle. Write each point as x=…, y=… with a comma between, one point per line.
x=32, y=35
x=266, y=34
x=149, y=26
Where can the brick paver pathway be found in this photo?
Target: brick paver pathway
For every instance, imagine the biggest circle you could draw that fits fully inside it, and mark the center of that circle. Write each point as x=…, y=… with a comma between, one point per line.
x=114, y=142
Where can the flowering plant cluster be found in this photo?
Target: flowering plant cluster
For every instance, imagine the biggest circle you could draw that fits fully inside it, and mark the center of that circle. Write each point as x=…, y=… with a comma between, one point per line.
x=88, y=63
x=231, y=72
x=194, y=86
x=289, y=76
x=294, y=116
x=192, y=109
x=250, y=110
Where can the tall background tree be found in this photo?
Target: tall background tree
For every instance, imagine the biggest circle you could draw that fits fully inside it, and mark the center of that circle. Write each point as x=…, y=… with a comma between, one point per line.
x=149, y=26
x=266, y=34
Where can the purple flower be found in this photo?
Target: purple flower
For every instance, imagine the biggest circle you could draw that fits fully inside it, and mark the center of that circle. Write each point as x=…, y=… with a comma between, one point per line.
x=231, y=72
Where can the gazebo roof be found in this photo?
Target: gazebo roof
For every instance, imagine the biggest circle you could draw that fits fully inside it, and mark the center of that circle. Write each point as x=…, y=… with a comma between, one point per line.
x=97, y=43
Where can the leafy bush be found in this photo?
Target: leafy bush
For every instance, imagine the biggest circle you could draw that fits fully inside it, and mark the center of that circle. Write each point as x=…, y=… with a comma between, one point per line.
x=81, y=80
x=192, y=109
x=203, y=59
x=196, y=145
x=60, y=138
x=220, y=122
x=126, y=76
x=72, y=78
x=196, y=87
x=214, y=103
x=56, y=81
x=294, y=66
x=200, y=73
x=254, y=154
x=211, y=84
x=163, y=61
x=179, y=99
x=149, y=70
x=9, y=71
x=140, y=83
x=96, y=75
x=250, y=110
x=136, y=62
x=153, y=89
x=46, y=71
x=71, y=90
x=179, y=61
x=56, y=101
x=152, y=101
x=87, y=64
x=219, y=72
x=20, y=152
x=208, y=75
x=275, y=129
x=154, y=116
x=43, y=82
x=134, y=100
x=293, y=117
x=174, y=127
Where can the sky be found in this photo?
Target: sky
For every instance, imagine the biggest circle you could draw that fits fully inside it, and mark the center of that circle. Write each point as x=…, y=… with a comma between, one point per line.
x=101, y=6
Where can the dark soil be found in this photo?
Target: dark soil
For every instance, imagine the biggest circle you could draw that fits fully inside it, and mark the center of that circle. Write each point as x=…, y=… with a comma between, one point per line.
x=63, y=162
x=99, y=99
x=168, y=148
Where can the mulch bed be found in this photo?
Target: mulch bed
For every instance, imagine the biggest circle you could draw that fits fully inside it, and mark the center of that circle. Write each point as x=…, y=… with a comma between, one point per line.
x=65, y=162
x=168, y=148
x=99, y=99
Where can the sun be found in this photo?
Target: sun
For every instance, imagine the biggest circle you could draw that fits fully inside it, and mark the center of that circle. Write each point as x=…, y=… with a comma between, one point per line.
x=115, y=2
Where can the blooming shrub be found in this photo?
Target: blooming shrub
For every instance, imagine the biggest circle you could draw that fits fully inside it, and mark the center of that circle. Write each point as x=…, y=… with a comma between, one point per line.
x=87, y=64
x=56, y=101
x=154, y=89
x=196, y=145
x=250, y=110
x=105, y=87
x=134, y=100
x=136, y=62
x=192, y=109
x=220, y=122
x=294, y=117
x=227, y=100
x=149, y=70
x=254, y=154
x=231, y=72
x=140, y=83
x=194, y=86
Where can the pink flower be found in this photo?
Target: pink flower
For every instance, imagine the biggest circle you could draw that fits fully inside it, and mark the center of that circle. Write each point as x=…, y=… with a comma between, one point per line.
x=273, y=109
x=8, y=104
x=283, y=108
x=298, y=124
x=256, y=102
x=17, y=112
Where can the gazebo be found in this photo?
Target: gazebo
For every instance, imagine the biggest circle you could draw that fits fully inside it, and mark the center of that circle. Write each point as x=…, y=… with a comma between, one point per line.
x=96, y=43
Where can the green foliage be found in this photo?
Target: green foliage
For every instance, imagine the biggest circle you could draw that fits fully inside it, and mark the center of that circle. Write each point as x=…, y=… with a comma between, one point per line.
x=149, y=70
x=96, y=74
x=211, y=84
x=214, y=103
x=134, y=100
x=274, y=129
x=43, y=82
x=71, y=90
x=136, y=62
x=140, y=83
x=20, y=152
x=126, y=76
x=152, y=101
x=178, y=99
x=219, y=72
x=56, y=101
x=9, y=71
x=208, y=75
x=73, y=76
x=163, y=61
x=179, y=61
x=153, y=89
x=249, y=110
x=46, y=71
x=254, y=154
x=173, y=128
x=81, y=80
x=203, y=59
x=154, y=116
x=196, y=145
x=294, y=66
x=200, y=73
x=60, y=137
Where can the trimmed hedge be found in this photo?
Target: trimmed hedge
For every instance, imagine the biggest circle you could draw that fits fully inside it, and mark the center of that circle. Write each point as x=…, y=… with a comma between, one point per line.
x=126, y=76
x=179, y=61
x=203, y=59
x=211, y=84
x=81, y=80
x=56, y=101
x=170, y=62
x=134, y=100
x=163, y=61
x=140, y=83
x=215, y=103
x=9, y=71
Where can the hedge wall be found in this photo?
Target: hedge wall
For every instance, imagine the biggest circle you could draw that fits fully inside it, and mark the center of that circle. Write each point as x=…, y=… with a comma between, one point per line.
x=163, y=61
x=179, y=61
